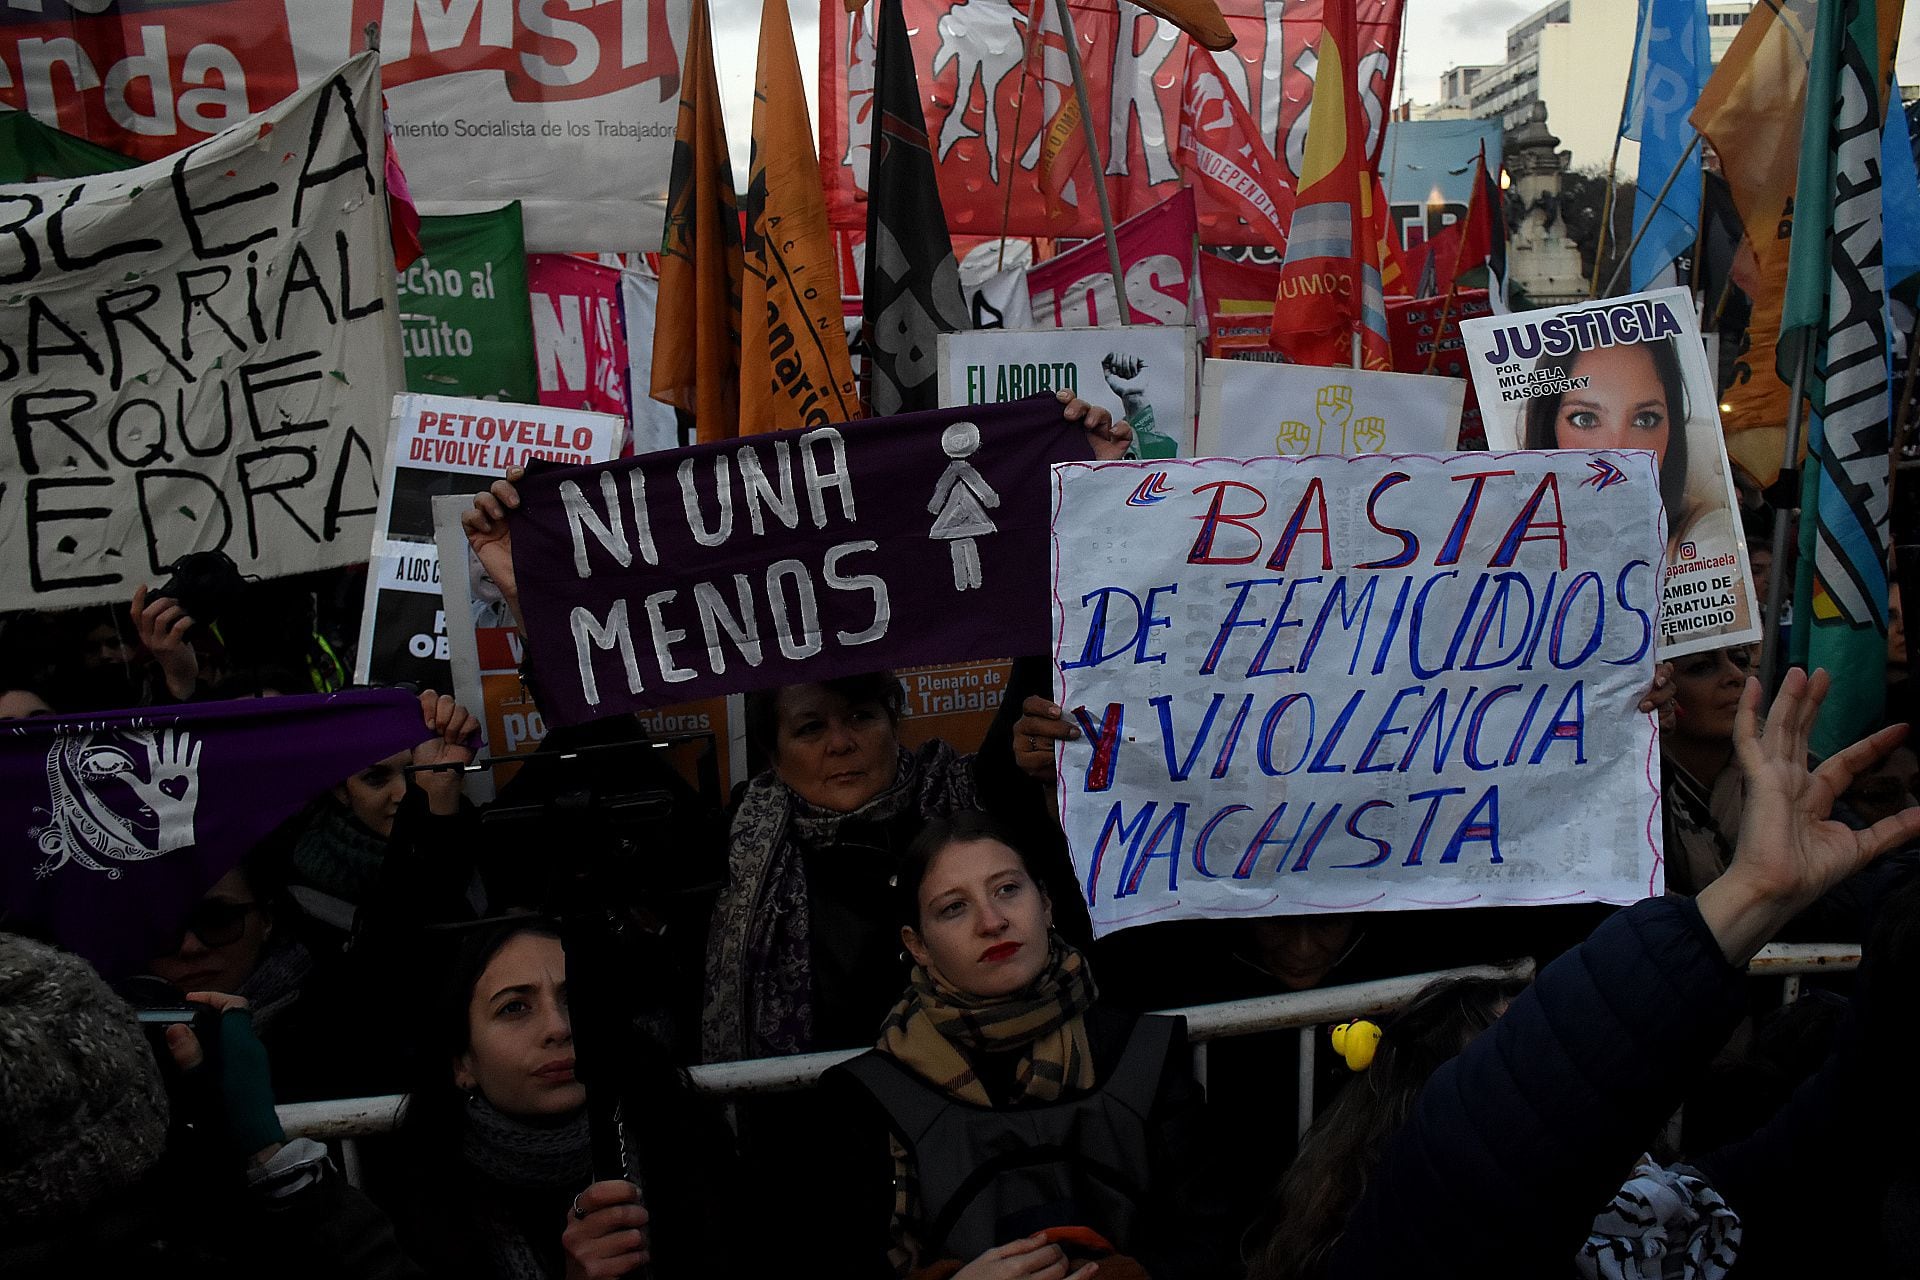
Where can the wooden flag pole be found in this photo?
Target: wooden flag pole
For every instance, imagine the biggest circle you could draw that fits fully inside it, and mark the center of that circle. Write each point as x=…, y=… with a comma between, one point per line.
x=1099, y=165
x=1627, y=257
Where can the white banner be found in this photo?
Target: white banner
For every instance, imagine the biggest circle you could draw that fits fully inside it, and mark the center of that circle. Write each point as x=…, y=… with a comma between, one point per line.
x=1143, y=373
x=1631, y=373
x=1250, y=409
x=198, y=355
x=441, y=446
x=1357, y=684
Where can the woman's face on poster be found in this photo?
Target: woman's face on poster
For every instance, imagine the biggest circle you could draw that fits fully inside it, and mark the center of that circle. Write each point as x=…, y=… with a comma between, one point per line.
x=1623, y=405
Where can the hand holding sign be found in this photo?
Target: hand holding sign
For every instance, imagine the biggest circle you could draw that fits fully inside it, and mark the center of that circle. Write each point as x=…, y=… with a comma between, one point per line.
x=1110, y=438
x=491, y=538
x=1791, y=849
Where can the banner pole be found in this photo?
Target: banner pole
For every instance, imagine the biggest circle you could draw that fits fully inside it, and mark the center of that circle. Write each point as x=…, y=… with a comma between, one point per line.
x=1776, y=575
x=1627, y=257
x=1099, y=165
x=1439, y=334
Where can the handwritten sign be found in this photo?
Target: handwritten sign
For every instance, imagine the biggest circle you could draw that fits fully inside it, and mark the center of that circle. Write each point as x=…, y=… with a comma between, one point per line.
x=441, y=446
x=1631, y=373
x=1143, y=373
x=198, y=355
x=789, y=557
x=1357, y=684
x=1252, y=410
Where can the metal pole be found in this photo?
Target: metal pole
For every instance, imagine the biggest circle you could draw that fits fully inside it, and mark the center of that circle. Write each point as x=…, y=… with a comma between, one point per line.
x=1776, y=576
x=1658, y=200
x=1606, y=212
x=1034, y=16
x=1093, y=154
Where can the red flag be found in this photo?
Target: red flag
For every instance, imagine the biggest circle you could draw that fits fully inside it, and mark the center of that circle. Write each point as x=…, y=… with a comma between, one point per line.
x=1221, y=144
x=403, y=218
x=1476, y=229
x=1058, y=152
x=1330, y=283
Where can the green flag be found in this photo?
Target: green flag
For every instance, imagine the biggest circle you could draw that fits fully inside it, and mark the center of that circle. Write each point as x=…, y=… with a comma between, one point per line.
x=34, y=152
x=466, y=326
x=1835, y=308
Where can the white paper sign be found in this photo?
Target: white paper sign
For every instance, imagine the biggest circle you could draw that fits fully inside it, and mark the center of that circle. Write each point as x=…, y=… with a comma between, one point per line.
x=1143, y=373
x=198, y=355
x=1250, y=409
x=1357, y=684
x=445, y=446
x=1631, y=373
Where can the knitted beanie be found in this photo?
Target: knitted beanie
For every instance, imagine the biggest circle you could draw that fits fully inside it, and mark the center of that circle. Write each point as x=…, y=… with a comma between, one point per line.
x=83, y=1111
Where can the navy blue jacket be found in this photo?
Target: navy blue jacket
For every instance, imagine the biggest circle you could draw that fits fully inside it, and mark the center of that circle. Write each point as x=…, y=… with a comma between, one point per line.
x=1516, y=1144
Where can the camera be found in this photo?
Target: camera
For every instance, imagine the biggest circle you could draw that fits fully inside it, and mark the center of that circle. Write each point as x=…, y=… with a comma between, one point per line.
x=204, y=583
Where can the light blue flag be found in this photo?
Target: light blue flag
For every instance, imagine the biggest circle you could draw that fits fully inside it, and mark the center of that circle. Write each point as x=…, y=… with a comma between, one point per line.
x=1670, y=64
x=1899, y=197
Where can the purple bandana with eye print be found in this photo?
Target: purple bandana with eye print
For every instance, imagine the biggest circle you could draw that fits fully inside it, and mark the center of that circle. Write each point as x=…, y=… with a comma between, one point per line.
x=114, y=823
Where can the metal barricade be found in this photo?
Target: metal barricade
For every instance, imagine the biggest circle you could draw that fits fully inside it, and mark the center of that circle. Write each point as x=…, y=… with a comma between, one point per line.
x=345, y=1120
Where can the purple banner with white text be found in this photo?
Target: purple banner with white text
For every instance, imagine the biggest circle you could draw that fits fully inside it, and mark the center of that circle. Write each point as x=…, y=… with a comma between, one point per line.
x=791, y=557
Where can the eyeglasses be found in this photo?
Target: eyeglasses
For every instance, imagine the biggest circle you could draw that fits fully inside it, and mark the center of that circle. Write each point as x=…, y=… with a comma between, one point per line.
x=217, y=923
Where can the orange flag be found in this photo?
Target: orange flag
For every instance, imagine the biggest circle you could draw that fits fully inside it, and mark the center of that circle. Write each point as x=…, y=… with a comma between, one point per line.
x=794, y=369
x=696, y=336
x=1330, y=283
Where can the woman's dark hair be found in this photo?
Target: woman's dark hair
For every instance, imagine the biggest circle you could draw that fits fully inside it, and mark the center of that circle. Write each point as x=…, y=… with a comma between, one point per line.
x=1543, y=411
x=961, y=828
x=1342, y=1149
x=763, y=705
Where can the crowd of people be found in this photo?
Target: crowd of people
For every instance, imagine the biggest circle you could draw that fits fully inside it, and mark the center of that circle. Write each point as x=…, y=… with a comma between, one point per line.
x=536, y=980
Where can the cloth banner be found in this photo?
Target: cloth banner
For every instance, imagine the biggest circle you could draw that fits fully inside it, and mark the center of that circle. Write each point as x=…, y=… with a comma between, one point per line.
x=790, y=557
x=1143, y=373
x=579, y=343
x=1631, y=373
x=466, y=328
x=1250, y=410
x=1075, y=289
x=1238, y=300
x=198, y=355
x=567, y=107
x=120, y=820
x=1379, y=683
x=1414, y=327
x=441, y=446
x=969, y=56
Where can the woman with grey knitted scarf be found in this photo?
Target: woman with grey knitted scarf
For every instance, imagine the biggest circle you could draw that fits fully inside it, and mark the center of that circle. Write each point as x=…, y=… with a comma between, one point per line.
x=498, y=1174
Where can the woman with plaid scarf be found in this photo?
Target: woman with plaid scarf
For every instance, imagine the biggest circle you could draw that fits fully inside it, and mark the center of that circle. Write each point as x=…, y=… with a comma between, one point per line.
x=1031, y=1133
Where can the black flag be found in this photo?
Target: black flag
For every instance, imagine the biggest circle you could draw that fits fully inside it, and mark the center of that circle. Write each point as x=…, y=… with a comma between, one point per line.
x=913, y=283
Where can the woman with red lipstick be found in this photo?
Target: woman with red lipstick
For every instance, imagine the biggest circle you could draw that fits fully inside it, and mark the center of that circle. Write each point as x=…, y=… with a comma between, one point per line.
x=500, y=1172
x=1007, y=1126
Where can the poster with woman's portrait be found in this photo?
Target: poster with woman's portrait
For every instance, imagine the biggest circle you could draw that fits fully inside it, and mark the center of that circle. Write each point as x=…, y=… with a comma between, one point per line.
x=1631, y=373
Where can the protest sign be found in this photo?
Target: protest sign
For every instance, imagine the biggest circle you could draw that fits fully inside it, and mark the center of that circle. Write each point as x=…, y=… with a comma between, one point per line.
x=570, y=110
x=1631, y=373
x=1075, y=289
x=1415, y=326
x=790, y=557
x=1251, y=410
x=465, y=324
x=954, y=702
x=199, y=354
x=1357, y=684
x=1143, y=373
x=990, y=109
x=440, y=446
x=579, y=341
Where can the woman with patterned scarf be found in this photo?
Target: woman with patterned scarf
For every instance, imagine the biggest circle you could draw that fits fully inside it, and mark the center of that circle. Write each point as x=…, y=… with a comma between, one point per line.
x=498, y=1171
x=1007, y=1124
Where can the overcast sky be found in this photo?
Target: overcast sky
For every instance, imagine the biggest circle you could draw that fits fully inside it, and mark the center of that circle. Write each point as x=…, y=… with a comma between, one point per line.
x=1440, y=34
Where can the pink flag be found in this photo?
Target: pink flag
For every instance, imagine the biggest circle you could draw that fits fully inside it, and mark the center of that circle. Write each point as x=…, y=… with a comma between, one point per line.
x=579, y=336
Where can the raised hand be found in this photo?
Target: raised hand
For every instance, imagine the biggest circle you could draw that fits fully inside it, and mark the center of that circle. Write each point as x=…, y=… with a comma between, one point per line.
x=1790, y=849
x=489, y=529
x=163, y=625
